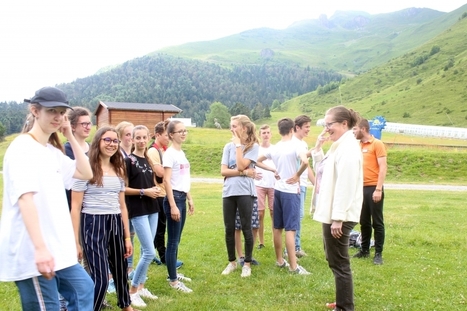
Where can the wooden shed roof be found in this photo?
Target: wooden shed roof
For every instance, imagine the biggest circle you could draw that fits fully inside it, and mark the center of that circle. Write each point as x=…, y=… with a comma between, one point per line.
x=140, y=107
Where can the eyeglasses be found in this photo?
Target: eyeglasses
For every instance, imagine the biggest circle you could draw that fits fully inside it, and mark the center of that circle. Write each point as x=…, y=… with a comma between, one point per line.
x=328, y=125
x=108, y=141
x=86, y=124
x=181, y=132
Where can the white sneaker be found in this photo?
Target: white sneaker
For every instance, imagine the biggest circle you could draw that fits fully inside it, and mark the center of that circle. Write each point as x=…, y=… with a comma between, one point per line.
x=229, y=269
x=181, y=287
x=285, y=264
x=137, y=301
x=181, y=277
x=144, y=292
x=300, y=270
x=246, y=272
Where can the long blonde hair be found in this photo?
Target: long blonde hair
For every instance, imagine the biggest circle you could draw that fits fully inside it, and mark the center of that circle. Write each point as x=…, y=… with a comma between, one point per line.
x=251, y=137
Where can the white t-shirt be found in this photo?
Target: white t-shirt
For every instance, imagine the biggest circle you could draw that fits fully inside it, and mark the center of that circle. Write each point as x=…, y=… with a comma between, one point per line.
x=285, y=156
x=304, y=148
x=45, y=171
x=268, y=180
x=177, y=161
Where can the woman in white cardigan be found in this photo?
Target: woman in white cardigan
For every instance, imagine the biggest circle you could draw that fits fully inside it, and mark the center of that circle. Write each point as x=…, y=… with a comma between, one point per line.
x=338, y=195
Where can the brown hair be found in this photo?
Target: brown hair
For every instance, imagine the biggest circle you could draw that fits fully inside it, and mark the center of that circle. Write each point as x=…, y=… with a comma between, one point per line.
x=364, y=124
x=342, y=114
x=54, y=140
x=116, y=160
x=300, y=121
x=161, y=127
x=73, y=115
x=171, y=127
x=251, y=138
x=284, y=125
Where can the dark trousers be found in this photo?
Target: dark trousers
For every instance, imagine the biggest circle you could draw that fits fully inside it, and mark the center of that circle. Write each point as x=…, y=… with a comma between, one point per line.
x=337, y=255
x=159, y=239
x=103, y=245
x=244, y=204
x=372, y=217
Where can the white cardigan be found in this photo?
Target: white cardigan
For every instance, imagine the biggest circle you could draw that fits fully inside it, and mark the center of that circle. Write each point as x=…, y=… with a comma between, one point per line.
x=340, y=195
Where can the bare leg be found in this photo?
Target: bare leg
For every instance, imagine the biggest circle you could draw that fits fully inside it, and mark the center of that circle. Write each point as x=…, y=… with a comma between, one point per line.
x=290, y=246
x=261, y=228
x=278, y=245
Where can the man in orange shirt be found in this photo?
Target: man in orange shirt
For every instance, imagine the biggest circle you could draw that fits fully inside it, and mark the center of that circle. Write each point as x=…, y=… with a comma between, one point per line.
x=374, y=173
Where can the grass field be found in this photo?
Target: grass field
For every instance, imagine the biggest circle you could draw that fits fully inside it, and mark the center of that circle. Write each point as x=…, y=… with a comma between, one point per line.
x=424, y=251
x=423, y=269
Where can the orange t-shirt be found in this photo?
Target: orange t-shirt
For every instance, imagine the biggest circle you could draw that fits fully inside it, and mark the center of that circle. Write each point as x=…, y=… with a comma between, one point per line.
x=372, y=150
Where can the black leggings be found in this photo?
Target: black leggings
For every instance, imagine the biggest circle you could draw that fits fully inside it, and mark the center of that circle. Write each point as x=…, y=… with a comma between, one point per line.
x=244, y=204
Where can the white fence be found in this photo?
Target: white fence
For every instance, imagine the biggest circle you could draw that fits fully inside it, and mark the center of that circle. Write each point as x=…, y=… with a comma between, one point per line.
x=426, y=130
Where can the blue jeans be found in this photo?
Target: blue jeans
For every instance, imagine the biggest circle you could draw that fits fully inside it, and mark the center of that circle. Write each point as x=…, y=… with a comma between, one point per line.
x=174, y=232
x=73, y=283
x=298, y=245
x=145, y=228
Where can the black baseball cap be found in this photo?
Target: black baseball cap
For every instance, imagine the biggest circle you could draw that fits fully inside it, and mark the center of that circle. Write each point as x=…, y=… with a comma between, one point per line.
x=49, y=97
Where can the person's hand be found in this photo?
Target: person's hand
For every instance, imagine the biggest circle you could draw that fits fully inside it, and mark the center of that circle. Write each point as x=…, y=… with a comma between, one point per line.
x=152, y=192
x=79, y=251
x=377, y=196
x=259, y=176
x=250, y=172
x=276, y=175
x=191, y=207
x=322, y=138
x=65, y=128
x=175, y=213
x=45, y=263
x=128, y=248
x=235, y=138
x=293, y=180
x=336, y=229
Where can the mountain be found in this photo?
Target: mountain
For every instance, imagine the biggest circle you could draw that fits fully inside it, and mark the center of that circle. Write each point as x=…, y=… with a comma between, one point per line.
x=424, y=86
x=347, y=42
x=193, y=85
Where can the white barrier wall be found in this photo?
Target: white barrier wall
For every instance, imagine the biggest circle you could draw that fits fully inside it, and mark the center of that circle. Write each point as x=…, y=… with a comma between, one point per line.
x=426, y=130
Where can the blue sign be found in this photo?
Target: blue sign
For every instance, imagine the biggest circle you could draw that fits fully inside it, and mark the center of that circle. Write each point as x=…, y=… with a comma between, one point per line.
x=376, y=126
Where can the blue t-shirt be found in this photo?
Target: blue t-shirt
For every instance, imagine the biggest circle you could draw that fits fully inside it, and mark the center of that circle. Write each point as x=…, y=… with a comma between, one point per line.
x=238, y=185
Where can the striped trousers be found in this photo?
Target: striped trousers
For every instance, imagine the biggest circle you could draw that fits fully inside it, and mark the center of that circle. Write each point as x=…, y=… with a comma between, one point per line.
x=103, y=245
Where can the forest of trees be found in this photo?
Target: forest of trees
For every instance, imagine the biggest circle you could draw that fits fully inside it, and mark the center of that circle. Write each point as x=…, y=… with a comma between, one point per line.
x=188, y=84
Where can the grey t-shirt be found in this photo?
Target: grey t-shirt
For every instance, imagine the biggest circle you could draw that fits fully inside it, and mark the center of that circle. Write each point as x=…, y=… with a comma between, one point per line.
x=238, y=185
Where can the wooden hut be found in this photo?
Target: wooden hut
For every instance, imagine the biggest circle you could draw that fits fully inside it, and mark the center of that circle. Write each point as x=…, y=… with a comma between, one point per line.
x=112, y=113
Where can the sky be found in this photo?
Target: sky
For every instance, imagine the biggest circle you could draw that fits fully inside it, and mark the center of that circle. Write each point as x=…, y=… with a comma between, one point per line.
x=48, y=42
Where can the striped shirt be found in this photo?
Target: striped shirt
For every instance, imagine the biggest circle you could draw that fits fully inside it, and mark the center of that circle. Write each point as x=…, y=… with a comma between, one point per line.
x=101, y=200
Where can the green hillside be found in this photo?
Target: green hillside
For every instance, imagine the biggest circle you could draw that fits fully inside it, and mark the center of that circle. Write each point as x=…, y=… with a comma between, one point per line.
x=348, y=42
x=424, y=86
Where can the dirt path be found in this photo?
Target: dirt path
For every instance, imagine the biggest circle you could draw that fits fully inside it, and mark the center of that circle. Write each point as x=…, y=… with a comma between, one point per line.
x=386, y=186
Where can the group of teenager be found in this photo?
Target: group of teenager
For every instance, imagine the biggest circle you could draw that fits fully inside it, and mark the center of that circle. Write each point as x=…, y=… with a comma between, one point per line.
x=348, y=189
x=119, y=188
x=114, y=192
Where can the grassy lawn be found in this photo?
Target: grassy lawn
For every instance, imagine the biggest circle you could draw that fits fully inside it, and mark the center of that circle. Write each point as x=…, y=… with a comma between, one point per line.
x=424, y=259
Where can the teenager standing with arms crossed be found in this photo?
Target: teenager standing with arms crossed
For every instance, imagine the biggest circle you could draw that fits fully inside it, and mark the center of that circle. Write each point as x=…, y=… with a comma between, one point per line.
x=338, y=196
x=239, y=192
x=99, y=214
x=141, y=192
x=36, y=233
x=177, y=186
